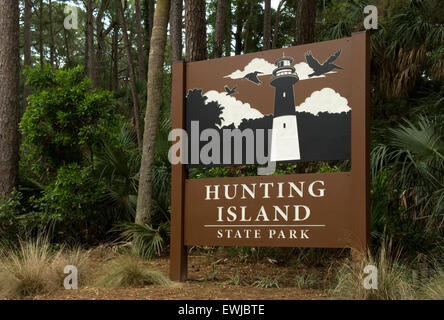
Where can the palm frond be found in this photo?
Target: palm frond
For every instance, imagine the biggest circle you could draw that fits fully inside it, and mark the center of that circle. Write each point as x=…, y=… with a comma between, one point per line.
x=146, y=241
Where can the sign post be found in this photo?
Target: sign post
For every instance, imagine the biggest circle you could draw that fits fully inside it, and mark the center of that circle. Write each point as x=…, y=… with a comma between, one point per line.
x=178, y=251
x=280, y=105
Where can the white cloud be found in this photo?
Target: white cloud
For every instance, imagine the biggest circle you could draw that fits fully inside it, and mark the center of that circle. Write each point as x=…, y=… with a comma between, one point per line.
x=325, y=100
x=234, y=110
x=257, y=64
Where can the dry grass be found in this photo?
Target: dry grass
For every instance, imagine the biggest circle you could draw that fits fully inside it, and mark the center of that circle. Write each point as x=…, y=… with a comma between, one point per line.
x=434, y=288
x=394, y=279
x=75, y=257
x=25, y=272
x=34, y=268
x=130, y=271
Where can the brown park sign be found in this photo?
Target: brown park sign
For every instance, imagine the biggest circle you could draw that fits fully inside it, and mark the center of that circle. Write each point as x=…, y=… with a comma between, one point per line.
x=303, y=103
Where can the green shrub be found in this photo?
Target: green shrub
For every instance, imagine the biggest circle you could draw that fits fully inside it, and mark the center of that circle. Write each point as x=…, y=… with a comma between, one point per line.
x=64, y=126
x=64, y=121
x=72, y=202
x=10, y=210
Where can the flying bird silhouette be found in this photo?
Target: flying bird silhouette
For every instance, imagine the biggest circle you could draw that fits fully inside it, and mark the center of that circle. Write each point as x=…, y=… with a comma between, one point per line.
x=252, y=76
x=230, y=91
x=327, y=66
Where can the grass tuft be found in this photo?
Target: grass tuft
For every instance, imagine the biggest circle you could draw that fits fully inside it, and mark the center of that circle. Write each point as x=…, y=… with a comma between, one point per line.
x=394, y=279
x=24, y=271
x=33, y=268
x=129, y=271
x=75, y=257
x=267, y=282
x=434, y=288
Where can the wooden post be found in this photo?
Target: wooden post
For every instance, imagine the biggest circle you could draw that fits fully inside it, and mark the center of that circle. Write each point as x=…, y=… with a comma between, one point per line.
x=178, y=251
x=360, y=85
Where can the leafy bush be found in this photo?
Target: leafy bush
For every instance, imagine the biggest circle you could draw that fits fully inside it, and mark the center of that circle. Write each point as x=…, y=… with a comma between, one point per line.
x=72, y=202
x=64, y=121
x=65, y=125
x=10, y=210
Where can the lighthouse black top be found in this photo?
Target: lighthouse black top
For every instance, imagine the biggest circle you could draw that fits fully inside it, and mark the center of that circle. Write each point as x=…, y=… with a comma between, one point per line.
x=284, y=77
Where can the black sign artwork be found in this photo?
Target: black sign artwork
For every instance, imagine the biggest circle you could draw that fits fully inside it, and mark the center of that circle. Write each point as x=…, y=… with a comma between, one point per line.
x=224, y=129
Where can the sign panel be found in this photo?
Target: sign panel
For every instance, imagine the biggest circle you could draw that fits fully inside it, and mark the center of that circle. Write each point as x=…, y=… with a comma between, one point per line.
x=304, y=103
x=305, y=210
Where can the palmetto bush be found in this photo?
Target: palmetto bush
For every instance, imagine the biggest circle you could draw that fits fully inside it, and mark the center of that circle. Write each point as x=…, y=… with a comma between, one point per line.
x=118, y=166
x=412, y=165
x=146, y=241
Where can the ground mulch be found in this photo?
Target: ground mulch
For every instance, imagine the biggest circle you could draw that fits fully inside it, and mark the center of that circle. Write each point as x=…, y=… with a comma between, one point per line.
x=210, y=276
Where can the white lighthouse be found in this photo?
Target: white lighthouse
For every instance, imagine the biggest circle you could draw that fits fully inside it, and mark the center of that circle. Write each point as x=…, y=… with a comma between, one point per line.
x=284, y=139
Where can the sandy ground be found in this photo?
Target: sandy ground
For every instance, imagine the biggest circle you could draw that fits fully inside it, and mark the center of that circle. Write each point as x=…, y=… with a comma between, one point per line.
x=210, y=277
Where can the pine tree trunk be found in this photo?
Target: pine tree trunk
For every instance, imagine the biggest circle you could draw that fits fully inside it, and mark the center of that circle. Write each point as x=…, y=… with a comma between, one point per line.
x=9, y=95
x=238, y=37
x=276, y=23
x=239, y=26
x=267, y=25
x=220, y=27
x=228, y=25
x=195, y=30
x=115, y=58
x=68, y=53
x=248, y=25
x=86, y=55
x=100, y=35
x=51, y=37
x=176, y=30
x=154, y=100
x=132, y=75
x=42, y=54
x=305, y=21
x=27, y=43
x=90, y=39
x=141, y=68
